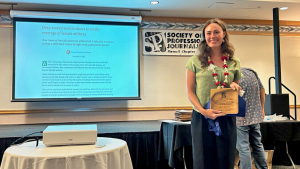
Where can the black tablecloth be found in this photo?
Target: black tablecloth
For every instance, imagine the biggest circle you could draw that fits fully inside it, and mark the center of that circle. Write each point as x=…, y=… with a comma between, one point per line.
x=176, y=135
x=277, y=135
x=280, y=131
x=174, y=143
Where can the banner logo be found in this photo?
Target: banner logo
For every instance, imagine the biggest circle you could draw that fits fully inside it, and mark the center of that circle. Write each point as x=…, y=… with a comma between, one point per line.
x=170, y=42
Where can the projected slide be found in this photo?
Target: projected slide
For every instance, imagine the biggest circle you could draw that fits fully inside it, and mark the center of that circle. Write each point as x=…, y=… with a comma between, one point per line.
x=70, y=60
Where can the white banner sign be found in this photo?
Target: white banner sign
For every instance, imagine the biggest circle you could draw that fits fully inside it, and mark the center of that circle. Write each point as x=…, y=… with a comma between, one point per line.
x=170, y=42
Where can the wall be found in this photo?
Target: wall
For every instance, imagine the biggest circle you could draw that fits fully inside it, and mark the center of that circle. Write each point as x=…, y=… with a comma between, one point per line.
x=162, y=84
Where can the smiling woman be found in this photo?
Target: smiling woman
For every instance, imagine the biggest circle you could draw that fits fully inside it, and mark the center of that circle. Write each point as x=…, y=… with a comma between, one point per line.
x=214, y=67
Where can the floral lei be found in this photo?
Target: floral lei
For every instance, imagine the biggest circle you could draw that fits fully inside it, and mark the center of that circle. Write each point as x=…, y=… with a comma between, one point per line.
x=211, y=66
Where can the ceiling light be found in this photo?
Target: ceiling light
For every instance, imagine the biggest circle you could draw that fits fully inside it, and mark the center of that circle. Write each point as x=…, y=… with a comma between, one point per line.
x=154, y=2
x=284, y=8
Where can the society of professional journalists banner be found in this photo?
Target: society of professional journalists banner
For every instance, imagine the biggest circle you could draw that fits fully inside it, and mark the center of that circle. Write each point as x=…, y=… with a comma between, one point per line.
x=170, y=42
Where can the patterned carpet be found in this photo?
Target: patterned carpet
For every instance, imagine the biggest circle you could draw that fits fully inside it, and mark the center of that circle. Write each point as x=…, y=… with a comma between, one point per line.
x=285, y=167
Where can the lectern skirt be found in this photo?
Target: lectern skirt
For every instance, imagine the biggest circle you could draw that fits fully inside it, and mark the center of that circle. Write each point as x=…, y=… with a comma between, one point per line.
x=211, y=151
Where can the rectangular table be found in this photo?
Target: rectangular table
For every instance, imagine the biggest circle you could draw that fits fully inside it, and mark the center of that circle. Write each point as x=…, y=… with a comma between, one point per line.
x=280, y=131
x=175, y=144
x=175, y=141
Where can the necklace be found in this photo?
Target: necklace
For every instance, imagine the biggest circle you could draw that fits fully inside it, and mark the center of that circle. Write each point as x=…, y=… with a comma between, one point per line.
x=211, y=67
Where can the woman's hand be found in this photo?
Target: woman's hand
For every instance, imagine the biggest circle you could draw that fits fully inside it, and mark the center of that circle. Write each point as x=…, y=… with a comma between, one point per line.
x=234, y=86
x=212, y=114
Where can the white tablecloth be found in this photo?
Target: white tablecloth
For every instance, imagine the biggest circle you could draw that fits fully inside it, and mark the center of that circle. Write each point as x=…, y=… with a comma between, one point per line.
x=114, y=155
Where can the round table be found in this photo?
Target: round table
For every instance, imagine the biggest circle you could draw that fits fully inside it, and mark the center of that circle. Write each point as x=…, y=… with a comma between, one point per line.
x=114, y=155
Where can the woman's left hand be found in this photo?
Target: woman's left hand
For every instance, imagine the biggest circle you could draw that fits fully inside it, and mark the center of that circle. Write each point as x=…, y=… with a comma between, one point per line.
x=235, y=86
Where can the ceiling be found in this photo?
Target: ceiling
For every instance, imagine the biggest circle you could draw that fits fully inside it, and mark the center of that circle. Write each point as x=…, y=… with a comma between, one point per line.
x=229, y=9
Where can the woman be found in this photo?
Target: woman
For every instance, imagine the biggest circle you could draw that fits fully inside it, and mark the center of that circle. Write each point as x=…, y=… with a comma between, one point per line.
x=215, y=67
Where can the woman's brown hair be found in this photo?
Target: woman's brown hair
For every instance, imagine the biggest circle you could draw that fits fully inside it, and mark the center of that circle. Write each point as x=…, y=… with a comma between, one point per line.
x=226, y=47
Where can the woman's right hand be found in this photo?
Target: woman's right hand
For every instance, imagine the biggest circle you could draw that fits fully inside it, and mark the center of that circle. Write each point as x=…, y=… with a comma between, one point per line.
x=212, y=114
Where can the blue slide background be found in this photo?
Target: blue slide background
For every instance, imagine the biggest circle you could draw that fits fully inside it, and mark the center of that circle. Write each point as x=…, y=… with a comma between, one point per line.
x=106, y=53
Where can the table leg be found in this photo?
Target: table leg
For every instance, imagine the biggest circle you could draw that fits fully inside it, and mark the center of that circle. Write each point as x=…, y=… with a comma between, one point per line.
x=183, y=152
x=188, y=157
x=287, y=152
